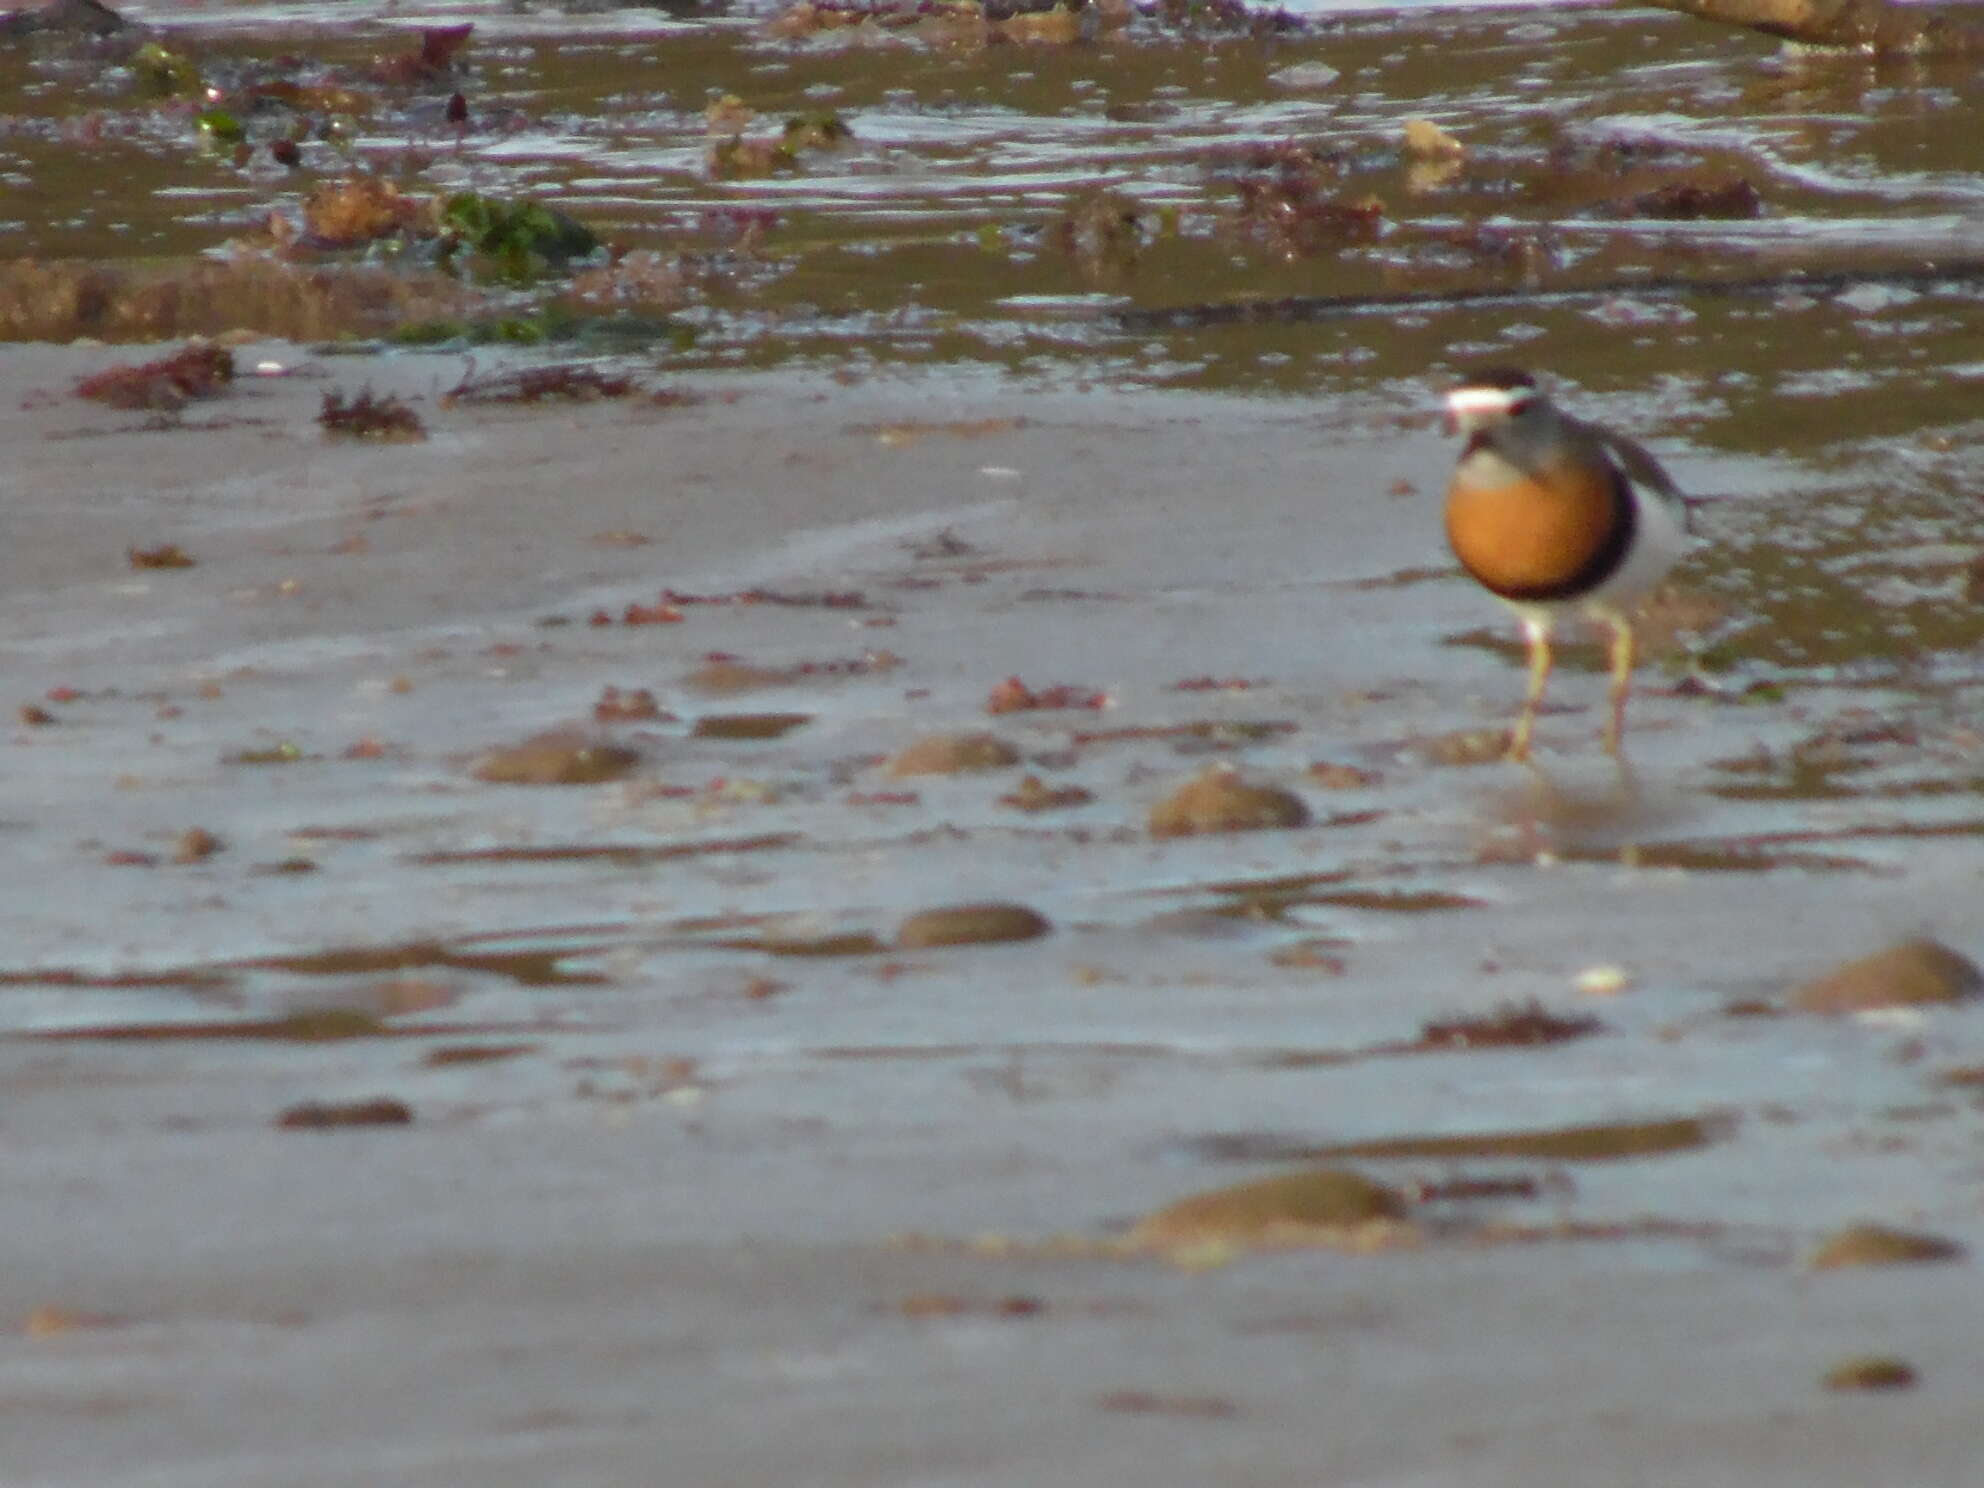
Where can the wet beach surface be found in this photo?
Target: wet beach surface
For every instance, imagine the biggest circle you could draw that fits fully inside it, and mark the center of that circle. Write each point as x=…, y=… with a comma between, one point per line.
x=373, y=1115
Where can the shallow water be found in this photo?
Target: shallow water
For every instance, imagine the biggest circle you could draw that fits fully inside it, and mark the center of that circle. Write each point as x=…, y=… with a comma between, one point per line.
x=950, y=226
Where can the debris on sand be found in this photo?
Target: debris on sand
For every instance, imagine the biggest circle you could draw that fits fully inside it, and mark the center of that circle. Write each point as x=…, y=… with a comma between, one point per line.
x=370, y=416
x=199, y=370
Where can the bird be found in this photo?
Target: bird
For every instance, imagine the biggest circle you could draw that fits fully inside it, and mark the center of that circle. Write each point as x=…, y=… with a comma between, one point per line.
x=1556, y=516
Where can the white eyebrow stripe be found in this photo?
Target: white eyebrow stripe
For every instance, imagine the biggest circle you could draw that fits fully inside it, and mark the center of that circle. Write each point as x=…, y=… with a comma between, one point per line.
x=1469, y=400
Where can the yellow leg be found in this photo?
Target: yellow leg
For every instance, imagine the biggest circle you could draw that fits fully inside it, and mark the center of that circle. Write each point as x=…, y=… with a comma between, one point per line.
x=1538, y=634
x=1622, y=685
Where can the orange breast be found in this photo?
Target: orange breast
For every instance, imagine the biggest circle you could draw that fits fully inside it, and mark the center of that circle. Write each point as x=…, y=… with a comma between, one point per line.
x=1528, y=540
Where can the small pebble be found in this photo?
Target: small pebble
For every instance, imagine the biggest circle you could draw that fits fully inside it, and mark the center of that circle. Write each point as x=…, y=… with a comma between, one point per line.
x=561, y=757
x=1912, y=973
x=1878, y=1245
x=1218, y=800
x=953, y=754
x=1248, y=1213
x=320, y=1115
x=1603, y=981
x=1872, y=1372
x=194, y=845
x=970, y=924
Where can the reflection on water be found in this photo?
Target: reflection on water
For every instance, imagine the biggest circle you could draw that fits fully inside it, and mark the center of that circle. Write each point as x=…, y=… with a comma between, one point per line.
x=1576, y=808
x=958, y=205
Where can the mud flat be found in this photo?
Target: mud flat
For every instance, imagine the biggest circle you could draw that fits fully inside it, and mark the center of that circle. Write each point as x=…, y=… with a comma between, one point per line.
x=501, y=985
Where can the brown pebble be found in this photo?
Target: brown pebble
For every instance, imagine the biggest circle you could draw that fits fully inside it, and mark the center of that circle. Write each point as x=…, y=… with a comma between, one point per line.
x=1913, y=973
x=953, y=754
x=1218, y=800
x=970, y=924
x=194, y=845
x=733, y=676
x=453, y=1054
x=1871, y=1372
x=802, y=943
x=748, y=725
x=561, y=757
x=165, y=555
x=316, y=1115
x=1248, y=1213
x=1877, y=1245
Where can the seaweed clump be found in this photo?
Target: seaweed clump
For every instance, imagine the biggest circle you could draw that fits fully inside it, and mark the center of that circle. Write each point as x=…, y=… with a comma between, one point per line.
x=165, y=384
x=367, y=415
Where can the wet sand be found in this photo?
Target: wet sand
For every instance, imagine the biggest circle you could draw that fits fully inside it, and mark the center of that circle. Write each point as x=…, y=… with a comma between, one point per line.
x=661, y=1240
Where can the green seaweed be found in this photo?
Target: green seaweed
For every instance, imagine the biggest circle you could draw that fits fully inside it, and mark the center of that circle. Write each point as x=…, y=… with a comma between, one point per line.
x=521, y=239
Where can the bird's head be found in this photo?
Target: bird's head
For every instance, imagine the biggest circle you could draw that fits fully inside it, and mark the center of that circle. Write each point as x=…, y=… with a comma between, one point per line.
x=1488, y=398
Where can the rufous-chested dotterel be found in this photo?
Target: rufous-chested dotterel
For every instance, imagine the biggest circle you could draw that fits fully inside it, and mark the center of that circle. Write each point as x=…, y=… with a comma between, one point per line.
x=1557, y=516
